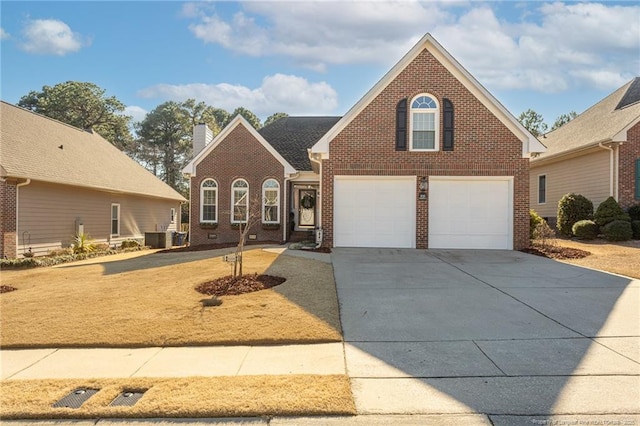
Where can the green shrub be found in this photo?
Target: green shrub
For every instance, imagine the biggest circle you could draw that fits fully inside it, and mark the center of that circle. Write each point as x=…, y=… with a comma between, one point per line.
x=618, y=230
x=534, y=220
x=608, y=211
x=634, y=212
x=635, y=227
x=572, y=208
x=82, y=243
x=586, y=229
x=129, y=244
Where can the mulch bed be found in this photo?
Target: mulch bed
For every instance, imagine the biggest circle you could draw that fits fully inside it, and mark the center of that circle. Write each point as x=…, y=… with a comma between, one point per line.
x=230, y=286
x=556, y=252
x=6, y=288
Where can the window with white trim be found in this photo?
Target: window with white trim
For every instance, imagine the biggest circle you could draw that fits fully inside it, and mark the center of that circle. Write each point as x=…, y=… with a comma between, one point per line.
x=172, y=215
x=240, y=201
x=209, y=201
x=424, y=123
x=542, y=189
x=115, y=220
x=271, y=201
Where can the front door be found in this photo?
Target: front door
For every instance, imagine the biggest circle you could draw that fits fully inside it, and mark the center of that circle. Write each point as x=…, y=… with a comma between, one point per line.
x=307, y=207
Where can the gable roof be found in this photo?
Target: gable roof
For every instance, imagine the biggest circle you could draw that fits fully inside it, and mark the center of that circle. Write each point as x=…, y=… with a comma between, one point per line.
x=190, y=169
x=606, y=121
x=36, y=147
x=293, y=136
x=529, y=142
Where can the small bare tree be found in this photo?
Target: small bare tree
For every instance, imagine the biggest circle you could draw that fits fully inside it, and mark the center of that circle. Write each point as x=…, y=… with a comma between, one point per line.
x=252, y=212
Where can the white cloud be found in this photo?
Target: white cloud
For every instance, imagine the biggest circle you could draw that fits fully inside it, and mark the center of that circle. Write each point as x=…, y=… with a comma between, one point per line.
x=315, y=34
x=3, y=34
x=292, y=94
x=135, y=112
x=51, y=37
x=550, y=47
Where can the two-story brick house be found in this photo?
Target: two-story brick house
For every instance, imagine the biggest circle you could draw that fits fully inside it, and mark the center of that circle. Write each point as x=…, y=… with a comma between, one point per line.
x=428, y=158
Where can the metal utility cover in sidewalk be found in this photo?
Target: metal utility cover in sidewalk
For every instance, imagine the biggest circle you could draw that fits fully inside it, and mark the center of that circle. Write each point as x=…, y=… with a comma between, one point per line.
x=76, y=398
x=127, y=399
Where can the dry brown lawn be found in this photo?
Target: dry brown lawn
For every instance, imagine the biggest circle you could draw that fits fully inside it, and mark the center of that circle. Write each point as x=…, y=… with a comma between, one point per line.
x=190, y=397
x=620, y=258
x=148, y=299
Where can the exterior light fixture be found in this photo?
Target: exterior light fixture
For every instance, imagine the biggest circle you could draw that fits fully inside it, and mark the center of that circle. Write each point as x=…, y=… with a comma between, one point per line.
x=423, y=188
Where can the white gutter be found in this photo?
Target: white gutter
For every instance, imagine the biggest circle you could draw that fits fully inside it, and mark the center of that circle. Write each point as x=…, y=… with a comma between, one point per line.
x=25, y=183
x=611, y=169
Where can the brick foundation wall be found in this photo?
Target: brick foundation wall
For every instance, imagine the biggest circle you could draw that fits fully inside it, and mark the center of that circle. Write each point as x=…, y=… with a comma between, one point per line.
x=239, y=155
x=8, y=220
x=629, y=153
x=483, y=146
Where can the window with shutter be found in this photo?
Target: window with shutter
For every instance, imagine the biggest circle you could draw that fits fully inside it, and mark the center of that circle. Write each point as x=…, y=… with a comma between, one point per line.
x=424, y=123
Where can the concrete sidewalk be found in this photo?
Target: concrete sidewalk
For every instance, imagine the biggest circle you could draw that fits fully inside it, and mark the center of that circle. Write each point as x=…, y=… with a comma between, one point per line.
x=205, y=361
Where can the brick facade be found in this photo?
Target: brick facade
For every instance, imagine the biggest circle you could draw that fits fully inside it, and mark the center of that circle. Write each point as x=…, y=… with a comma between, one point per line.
x=239, y=155
x=8, y=220
x=483, y=146
x=628, y=155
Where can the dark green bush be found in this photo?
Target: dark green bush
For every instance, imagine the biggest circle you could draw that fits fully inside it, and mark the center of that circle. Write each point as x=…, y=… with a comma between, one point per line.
x=608, y=211
x=534, y=220
x=618, y=230
x=572, y=208
x=586, y=229
x=634, y=212
x=635, y=227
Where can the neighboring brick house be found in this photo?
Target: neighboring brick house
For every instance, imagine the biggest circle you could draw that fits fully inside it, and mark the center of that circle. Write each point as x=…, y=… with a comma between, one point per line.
x=597, y=154
x=428, y=158
x=57, y=181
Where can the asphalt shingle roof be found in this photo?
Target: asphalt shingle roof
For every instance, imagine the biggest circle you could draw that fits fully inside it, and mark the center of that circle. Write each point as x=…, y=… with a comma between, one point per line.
x=599, y=123
x=40, y=148
x=292, y=136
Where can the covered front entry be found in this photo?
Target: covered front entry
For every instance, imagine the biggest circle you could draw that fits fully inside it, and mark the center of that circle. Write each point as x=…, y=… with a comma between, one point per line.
x=471, y=212
x=374, y=211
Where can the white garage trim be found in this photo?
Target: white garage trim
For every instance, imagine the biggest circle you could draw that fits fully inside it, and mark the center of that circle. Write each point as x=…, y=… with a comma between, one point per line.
x=374, y=211
x=474, y=212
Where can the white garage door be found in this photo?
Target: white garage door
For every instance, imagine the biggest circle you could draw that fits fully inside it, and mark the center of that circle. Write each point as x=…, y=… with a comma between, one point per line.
x=474, y=213
x=374, y=211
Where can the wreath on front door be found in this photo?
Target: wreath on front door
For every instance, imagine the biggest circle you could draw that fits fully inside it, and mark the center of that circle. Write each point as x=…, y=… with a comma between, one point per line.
x=308, y=202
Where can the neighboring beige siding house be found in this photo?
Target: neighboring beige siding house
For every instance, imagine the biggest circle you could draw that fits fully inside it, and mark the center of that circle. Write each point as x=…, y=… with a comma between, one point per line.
x=597, y=154
x=57, y=180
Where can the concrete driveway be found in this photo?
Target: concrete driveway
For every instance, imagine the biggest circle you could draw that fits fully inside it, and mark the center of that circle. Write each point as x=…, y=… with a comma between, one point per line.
x=496, y=332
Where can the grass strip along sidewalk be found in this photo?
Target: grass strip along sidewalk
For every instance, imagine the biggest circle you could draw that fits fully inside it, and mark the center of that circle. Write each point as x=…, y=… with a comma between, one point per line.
x=193, y=397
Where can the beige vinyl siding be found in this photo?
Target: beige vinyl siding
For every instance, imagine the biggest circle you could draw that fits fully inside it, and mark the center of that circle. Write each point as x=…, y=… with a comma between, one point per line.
x=47, y=215
x=587, y=175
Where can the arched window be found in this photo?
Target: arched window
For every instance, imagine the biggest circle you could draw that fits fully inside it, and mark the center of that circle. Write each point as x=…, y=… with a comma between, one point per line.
x=271, y=201
x=240, y=201
x=209, y=201
x=424, y=123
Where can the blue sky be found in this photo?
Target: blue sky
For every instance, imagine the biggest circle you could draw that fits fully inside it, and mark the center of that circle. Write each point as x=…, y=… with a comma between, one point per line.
x=316, y=58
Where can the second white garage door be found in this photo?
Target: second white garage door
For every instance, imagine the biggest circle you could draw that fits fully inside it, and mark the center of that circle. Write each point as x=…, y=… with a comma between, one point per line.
x=474, y=213
x=374, y=211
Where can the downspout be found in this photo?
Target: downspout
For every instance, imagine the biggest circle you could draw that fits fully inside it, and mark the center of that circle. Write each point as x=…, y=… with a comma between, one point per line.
x=611, y=169
x=287, y=204
x=25, y=183
x=319, y=228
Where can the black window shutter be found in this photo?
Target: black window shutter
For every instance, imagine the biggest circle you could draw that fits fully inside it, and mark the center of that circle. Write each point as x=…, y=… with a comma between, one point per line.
x=401, y=125
x=447, y=117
